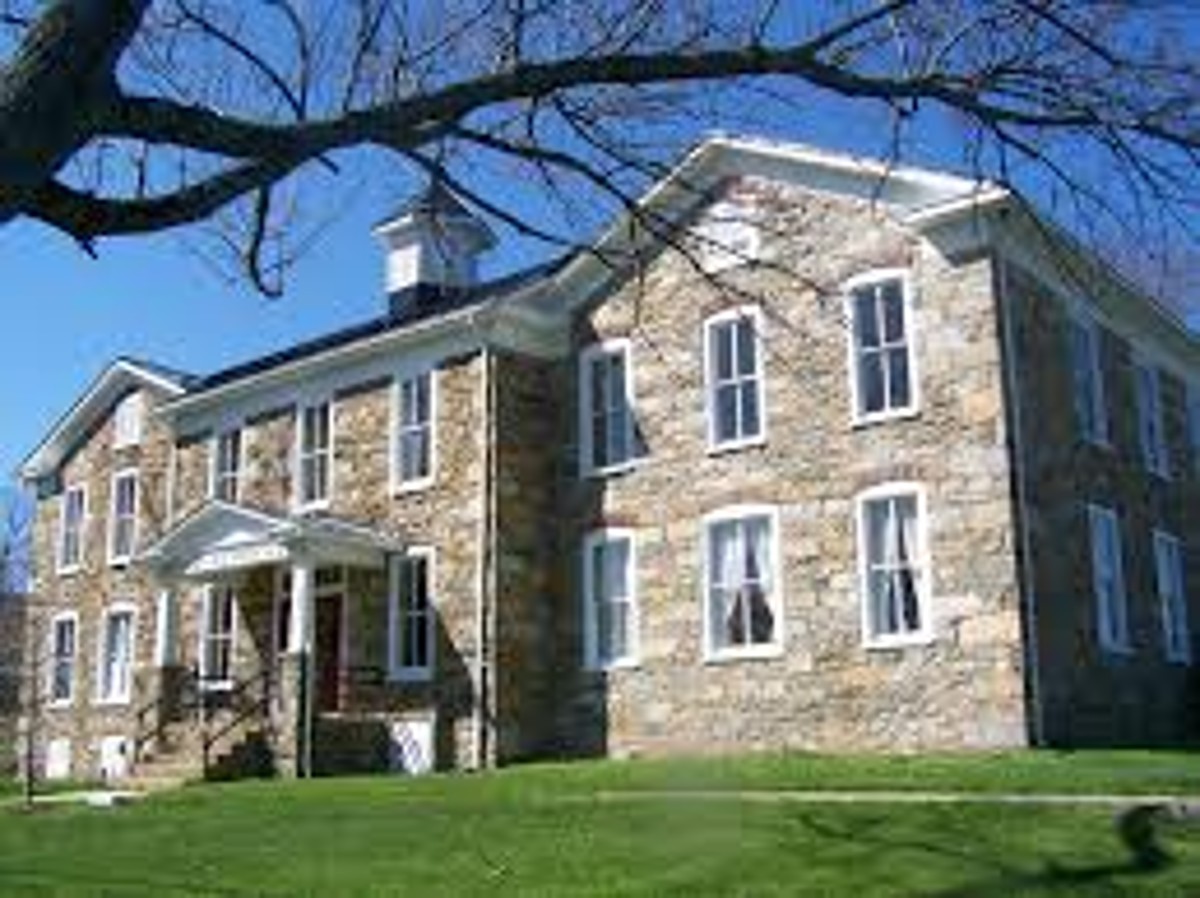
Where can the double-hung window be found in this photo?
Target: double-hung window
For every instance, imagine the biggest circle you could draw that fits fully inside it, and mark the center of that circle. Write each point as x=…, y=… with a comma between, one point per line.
x=127, y=421
x=741, y=602
x=1193, y=424
x=116, y=655
x=122, y=522
x=733, y=346
x=882, y=378
x=610, y=610
x=1087, y=381
x=1151, y=436
x=227, y=465
x=71, y=532
x=1108, y=580
x=894, y=566
x=412, y=619
x=1168, y=571
x=314, y=454
x=415, y=431
x=606, y=422
x=217, y=637
x=64, y=642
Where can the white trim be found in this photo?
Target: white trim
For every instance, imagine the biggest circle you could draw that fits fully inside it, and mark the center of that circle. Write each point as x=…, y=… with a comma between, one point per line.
x=123, y=411
x=115, y=560
x=1156, y=456
x=775, y=598
x=62, y=568
x=925, y=633
x=611, y=346
x=1167, y=613
x=632, y=656
x=214, y=461
x=298, y=503
x=739, y=314
x=722, y=226
x=396, y=672
x=397, y=485
x=204, y=635
x=871, y=278
x=111, y=610
x=1120, y=643
x=59, y=703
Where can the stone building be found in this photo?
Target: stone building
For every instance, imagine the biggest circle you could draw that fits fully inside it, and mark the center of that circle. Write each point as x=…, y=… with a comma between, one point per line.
x=861, y=458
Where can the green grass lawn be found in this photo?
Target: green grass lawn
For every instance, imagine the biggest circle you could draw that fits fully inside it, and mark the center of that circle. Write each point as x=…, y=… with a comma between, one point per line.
x=543, y=830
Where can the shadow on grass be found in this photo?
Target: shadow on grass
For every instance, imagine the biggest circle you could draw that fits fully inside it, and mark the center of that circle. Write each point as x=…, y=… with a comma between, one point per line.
x=1000, y=878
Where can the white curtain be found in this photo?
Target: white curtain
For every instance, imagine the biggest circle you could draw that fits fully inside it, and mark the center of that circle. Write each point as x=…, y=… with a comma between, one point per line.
x=727, y=575
x=758, y=560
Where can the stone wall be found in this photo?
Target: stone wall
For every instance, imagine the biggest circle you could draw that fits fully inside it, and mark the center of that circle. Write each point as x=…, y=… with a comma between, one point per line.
x=1090, y=696
x=824, y=690
x=97, y=584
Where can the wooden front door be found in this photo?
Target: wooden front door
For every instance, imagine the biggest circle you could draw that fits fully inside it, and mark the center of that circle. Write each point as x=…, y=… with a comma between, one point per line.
x=329, y=652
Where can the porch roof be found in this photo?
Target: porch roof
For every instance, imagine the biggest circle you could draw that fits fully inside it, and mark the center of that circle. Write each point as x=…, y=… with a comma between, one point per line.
x=221, y=538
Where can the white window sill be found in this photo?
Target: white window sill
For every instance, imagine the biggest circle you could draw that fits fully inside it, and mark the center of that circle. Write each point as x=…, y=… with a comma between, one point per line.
x=612, y=470
x=616, y=664
x=61, y=704
x=308, y=507
x=412, y=675
x=215, y=685
x=1124, y=650
x=749, y=653
x=70, y=570
x=120, y=561
x=736, y=445
x=407, y=487
x=115, y=702
x=907, y=640
x=883, y=417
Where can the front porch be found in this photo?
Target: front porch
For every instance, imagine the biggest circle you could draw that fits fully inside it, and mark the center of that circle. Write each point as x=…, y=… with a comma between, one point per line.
x=272, y=651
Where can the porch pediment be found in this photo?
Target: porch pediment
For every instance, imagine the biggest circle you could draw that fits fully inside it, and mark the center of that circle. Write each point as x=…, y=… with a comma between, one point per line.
x=221, y=539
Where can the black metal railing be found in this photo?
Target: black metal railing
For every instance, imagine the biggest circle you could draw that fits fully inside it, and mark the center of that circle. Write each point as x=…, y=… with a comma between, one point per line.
x=244, y=699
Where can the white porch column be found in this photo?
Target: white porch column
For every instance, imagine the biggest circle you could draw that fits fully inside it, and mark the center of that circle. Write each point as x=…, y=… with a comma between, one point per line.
x=300, y=631
x=166, y=630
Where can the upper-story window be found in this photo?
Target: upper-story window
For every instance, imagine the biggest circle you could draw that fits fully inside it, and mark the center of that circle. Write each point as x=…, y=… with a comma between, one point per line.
x=742, y=605
x=227, y=465
x=415, y=431
x=314, y=454
x=127, y=421
x=726, y=238
x=412, y=621
x=64, y=648
x=610, y=609
x=883, y=381
x=1091, y=413
x=71, y=528
x=1108, y=580
x=893, y=565
x=1151, y=436
x=733, y=348
x=1172, y=598
x=122, y=521
x=606, y=424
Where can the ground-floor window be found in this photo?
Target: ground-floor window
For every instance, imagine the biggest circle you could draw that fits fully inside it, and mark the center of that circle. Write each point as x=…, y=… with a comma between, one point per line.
x=1168, y=568
x=742, y=608
x=893, y=564
x=217, y=637
x=64, y=640
x=610, y=614
x=411, y=617
x=116, y=654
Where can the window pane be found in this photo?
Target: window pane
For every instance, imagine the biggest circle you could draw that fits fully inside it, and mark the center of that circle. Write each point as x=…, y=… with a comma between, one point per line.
x=871, y=383
x=898, y=380
x=722, y=336
x=751, y=425
x=866, y=328
x=727, y=412
x=893, y=311
x=747, y=347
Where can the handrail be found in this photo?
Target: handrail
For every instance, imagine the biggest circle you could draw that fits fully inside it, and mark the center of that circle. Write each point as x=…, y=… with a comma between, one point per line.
x=260, y=705
x=144, y=732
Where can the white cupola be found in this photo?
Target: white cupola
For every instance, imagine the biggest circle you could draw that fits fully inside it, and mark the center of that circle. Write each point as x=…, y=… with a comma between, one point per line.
x=433, y=244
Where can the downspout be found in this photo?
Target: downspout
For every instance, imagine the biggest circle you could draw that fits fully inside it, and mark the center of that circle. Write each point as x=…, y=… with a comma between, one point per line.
x=1029, y=605
x=484, y=552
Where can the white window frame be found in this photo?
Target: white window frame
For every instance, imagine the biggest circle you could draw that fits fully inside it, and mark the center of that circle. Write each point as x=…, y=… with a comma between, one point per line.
x=115, y=518
x=926, y=632
x=1112, y=622
x=1151, y=420
x=775, y=598
x=206, y=636
x=299, y=501
x=874, y=278
x=53, y=701
x=740, y=314
x=217, y=476
x=124, y=697
x=1170, y=584
x=64, y=566
x=127, y=421
x=616, y=346
x=591, y=634
x=1098, y=395
x=398, y=427
x=727, y=237
x=397, y=622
